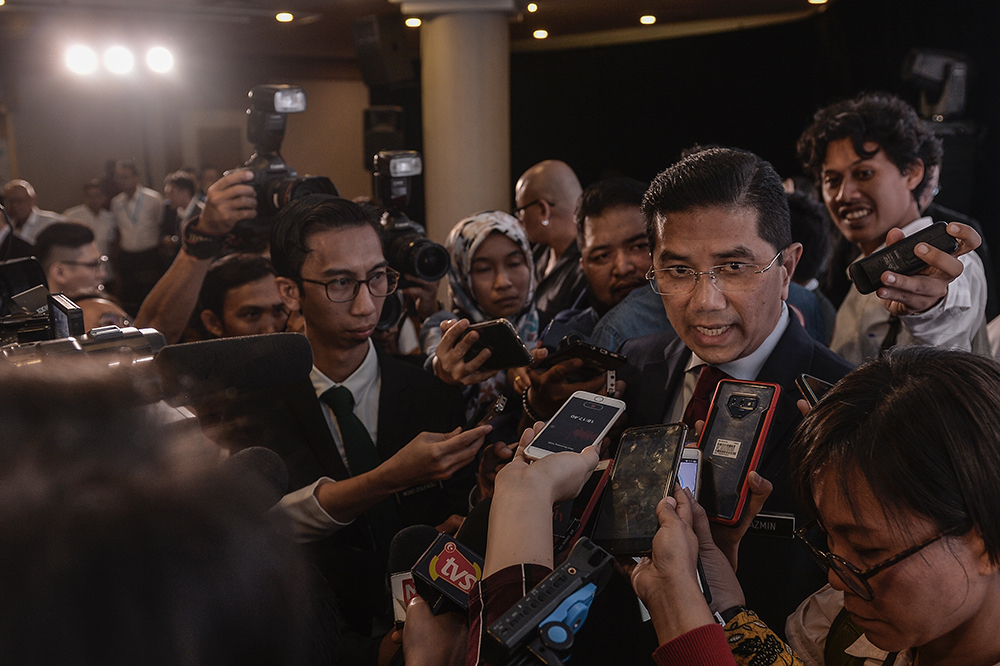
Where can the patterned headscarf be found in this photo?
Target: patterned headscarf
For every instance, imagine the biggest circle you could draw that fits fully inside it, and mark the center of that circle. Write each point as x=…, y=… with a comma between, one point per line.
x=463, y=241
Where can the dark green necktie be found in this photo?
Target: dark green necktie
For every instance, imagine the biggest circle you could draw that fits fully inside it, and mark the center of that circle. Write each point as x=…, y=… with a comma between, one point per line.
x=362, y=456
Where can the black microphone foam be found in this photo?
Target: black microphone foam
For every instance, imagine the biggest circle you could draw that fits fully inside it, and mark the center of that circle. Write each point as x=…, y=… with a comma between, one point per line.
x=408, y=545
x=473, y=531
x=265, y=468
x=195, y=371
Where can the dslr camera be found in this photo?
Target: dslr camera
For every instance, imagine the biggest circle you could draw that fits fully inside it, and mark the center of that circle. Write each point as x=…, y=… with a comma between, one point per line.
x=274, y=182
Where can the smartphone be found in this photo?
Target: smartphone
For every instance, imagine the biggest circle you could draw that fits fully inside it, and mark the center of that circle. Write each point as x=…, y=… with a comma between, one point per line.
x=644, y=473
x=571, y=517
x=486, y=413
x=812, y=388
x=899, y=258
x=582, y=421
x=731, y=444
x=595, y=360
x=507, y=350
x=689, y=470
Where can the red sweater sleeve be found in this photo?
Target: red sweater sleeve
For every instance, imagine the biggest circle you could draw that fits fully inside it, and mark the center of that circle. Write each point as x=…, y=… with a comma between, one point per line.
x=704, y=646
x=494, y=596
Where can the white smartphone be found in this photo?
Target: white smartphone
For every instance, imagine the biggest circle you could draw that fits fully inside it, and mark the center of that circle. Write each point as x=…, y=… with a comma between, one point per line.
x=583, y=420
x=689, y=470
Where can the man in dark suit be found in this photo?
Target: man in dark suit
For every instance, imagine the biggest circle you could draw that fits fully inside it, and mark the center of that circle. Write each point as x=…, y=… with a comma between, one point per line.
x=370, y=442
x=723, y=258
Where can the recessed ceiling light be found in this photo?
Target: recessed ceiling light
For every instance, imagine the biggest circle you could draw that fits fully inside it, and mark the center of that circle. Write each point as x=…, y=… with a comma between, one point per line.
x=413, y=22
x=540, y=34
x=284, y=17
x=532, y=7
x=647, y=19
x=817, y=2
x=160, y=60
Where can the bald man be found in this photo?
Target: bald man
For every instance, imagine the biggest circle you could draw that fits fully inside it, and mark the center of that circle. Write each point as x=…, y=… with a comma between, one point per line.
x=19, y=199
x=545, y=198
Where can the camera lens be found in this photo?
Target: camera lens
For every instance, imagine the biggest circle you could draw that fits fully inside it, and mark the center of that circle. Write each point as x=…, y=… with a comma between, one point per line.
x=392, y=312
x=275, y=194
x=418, y=256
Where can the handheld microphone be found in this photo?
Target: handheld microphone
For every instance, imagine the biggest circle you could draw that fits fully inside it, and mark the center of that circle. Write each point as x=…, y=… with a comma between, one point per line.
x=264, y=466
x=404, y=551
x=445, y=575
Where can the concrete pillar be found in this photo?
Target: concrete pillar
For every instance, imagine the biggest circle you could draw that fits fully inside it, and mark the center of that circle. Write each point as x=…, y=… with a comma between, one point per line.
x=465, y=78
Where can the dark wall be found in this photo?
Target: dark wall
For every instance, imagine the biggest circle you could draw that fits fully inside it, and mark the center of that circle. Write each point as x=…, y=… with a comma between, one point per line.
x=632, y=109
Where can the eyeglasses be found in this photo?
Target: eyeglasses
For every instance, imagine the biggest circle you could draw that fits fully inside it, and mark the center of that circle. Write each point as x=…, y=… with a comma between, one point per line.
x=519, y=211
x=853, y=577
x=93, y=265
x=345, y=289
x=732, y=276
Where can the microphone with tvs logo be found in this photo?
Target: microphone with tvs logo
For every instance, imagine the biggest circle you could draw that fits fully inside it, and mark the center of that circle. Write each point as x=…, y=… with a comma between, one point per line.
x=404, y=551
x=445, y=575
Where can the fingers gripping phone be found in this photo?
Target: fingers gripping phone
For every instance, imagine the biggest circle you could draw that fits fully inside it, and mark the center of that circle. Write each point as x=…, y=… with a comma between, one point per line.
x=899, y=258
x=731, y=444
x=643, y=474
x=582, y=421
x=507, y=350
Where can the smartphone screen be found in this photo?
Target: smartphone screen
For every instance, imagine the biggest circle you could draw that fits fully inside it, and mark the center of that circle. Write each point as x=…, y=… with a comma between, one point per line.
x=687, y=474
x=583, y=420
x=644, y=473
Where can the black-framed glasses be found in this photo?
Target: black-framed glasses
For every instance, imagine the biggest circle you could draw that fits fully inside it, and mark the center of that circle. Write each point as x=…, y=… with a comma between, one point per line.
x=519, y=211
x=731, y=276
x=93, y=265
x=345, y=289
x=855, y=578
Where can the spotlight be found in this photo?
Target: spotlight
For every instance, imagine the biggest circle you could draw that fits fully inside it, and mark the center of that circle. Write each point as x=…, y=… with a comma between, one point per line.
x=81, y=59
x=532, y=7
x=413, y=22
x=540, y=34
x=284, y=17
x=647, y=19
x=119, y=60
x=159, y=59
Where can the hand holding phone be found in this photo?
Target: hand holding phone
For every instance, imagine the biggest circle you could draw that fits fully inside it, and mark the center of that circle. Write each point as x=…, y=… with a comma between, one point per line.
x=899, y=257
x=450, y=362
x=582, y=421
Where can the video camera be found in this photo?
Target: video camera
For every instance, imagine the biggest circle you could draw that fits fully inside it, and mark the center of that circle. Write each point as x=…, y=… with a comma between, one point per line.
x=275, y=183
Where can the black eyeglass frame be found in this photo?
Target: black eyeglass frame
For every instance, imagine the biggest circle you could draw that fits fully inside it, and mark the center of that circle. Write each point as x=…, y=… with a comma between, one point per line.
x=520, y=209
x=389, y=273
x=92, y=265
x=828, y=560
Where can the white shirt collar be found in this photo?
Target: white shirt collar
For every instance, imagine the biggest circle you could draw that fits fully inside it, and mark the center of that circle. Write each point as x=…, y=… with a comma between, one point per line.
x=748, y=367
x=359, y=381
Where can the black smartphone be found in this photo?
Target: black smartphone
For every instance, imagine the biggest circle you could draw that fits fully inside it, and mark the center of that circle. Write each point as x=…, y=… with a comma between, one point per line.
x=486, y=413
x=899, y=258
x=812, y=388
x=507, y=350
x=595, y=360
x=643, y=474
x=731, y=444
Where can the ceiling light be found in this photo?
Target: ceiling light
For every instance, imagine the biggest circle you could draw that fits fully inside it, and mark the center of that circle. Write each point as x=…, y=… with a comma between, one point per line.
x=119, y=60
x=532, y=7
x=283, y=17
x=540, y=34
x=817, y=2
x=647, y=19
x=413, y=22
x=81, y=59
x=159, y=59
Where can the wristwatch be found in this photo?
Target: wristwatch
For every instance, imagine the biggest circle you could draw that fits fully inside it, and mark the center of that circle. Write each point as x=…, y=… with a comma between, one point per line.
x=724, y=617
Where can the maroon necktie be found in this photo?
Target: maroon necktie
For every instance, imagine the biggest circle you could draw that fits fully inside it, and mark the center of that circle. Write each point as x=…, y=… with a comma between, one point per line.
x=697, y=407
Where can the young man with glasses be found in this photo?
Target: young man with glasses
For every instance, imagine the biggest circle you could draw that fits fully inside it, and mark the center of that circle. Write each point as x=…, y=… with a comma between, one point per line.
x=72, y=262
x=723, y=257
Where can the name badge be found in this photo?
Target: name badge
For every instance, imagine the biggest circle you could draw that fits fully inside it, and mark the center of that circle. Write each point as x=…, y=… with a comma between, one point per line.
x=410, y=492
x=781, y=525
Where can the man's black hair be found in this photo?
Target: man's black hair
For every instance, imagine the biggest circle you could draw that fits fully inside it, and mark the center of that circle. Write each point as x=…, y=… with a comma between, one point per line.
x=182, y=181
x=726, y=178
x=61, y=234
x=228, y=273
x=603, y=195
x=877, y=117
x=300, y=219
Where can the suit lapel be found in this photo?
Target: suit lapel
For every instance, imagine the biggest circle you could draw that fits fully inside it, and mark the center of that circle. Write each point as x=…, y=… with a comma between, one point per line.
x=790, y=357
x=659, y=383
x=308, y=413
